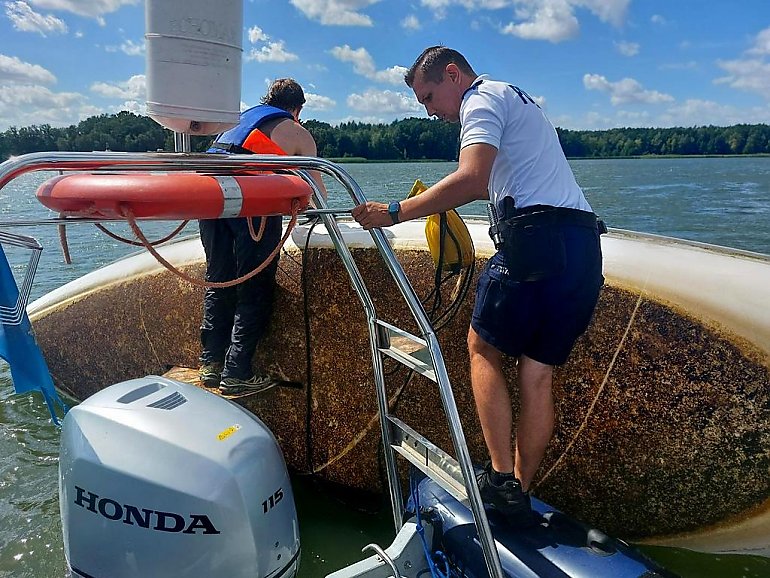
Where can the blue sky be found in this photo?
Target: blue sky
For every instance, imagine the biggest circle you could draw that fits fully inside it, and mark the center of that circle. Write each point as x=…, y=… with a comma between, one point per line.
x=592, y=64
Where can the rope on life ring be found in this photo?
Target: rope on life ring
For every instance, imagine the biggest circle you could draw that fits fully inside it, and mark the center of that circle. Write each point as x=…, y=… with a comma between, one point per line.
x=117, y=237
x=295, y=206
x=63, y=242
x=262, y=224
x=154, y=196
x=65, y=249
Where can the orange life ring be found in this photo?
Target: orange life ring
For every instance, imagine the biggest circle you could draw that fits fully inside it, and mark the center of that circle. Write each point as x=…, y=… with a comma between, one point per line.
x=173, y=195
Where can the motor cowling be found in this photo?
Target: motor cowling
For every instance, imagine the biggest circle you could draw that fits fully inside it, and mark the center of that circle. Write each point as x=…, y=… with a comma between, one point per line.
x=161, y=478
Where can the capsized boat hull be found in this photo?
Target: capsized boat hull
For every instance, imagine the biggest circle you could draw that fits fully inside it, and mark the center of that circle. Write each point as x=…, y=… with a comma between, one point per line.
x=661, y=410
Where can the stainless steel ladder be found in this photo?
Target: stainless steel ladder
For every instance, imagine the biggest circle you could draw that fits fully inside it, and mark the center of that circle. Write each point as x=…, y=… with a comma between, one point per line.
x=423, y=354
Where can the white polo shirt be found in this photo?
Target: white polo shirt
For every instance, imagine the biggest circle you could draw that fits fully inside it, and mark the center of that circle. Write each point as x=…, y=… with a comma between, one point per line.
x=530, y=165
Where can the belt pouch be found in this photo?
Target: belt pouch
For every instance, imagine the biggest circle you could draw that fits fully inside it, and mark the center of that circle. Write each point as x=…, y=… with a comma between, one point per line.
x=533, y=247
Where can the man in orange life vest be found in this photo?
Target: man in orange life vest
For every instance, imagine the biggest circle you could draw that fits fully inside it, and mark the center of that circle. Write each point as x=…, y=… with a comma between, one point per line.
x=236, y=318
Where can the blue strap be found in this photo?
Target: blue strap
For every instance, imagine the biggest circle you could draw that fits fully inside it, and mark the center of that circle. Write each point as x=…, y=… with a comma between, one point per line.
x=434, y=570
x=250, y=119
x=19, y=348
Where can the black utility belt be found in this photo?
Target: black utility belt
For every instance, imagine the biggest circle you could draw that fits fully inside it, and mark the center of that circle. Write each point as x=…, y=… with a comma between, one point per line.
x=546, y=215
x=532, y=239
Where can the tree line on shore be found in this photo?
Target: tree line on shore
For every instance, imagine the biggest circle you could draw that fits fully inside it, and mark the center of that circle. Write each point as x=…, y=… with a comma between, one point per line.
x=407, y=139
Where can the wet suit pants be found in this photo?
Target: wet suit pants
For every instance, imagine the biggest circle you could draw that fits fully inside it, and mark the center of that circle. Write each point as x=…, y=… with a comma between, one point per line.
x=236, y=318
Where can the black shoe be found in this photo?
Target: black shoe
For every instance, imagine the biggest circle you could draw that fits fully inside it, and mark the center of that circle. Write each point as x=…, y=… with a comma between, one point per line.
x=254, y=384
x=508, y=498
x=211, y=373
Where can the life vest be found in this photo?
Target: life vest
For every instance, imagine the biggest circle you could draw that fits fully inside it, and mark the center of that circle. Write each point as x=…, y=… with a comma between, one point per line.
x=246, y=137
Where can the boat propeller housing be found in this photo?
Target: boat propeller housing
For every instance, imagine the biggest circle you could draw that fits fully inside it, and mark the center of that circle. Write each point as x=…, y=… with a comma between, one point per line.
x=160, y=478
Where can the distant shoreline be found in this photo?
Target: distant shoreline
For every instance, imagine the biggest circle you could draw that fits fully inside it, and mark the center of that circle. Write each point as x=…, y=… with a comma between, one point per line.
x=354, y=160
x=406, y=140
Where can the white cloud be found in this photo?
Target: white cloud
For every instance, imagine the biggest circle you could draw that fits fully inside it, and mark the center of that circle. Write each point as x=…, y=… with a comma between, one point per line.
x=625, y=91
x=658, y=19
x=318, y=102
x=384, y=102
x=468, y=4
x=392, y=75
x=256, y=34
x=627, y=48
x=694, y=112
x=132, y=106
x=87, y=8
x=271, y=52
x=135, y=88
x=752, y=73
x=132, y=48
x=13, y=70
x=612, y=11
x=552, y=20
x=411, y=22
x=25, y=19
x=590, y=121
x=27, y=105
x=31, y=95
x=749, y=75
x=128, y=47
x=438, y=8
x=363, y=64
x=25, y=101
x=336, y=12
x=761, y=44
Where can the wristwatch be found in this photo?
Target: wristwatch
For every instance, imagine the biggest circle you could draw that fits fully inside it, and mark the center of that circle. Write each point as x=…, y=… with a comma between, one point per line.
x=393, y=209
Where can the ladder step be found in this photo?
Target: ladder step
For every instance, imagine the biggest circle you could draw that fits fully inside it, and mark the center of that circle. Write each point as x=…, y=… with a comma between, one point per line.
x=428, y=458
x=406, y=348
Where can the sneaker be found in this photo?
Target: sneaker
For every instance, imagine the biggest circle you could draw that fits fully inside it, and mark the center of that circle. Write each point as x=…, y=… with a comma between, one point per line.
x=254, y=384
x=210, y=373
x=508, y=498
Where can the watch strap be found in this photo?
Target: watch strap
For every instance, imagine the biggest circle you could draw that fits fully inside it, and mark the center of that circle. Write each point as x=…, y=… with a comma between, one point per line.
x=393, y=209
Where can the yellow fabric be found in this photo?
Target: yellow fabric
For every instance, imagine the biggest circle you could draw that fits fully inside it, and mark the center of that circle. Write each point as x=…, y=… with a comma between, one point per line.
x=458, y=245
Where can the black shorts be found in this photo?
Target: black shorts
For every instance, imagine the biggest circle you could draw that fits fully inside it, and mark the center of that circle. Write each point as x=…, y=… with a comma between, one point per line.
x=541, y=319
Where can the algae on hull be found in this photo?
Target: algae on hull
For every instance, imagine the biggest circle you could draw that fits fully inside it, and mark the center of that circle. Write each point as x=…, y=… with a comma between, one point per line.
x=680, y=409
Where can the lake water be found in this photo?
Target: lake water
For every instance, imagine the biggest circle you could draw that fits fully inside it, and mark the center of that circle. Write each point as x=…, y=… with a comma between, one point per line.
x=723, y=201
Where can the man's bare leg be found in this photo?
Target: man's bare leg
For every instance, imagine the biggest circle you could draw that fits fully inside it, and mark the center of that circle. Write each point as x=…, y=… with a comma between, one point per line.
x=492, y=400
x=536, y=417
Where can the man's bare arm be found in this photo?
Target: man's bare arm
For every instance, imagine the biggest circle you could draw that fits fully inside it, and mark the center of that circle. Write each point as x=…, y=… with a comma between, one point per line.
x=468, y=183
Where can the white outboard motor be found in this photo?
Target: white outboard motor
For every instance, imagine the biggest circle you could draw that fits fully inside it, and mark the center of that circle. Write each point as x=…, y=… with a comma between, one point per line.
x=160, y=478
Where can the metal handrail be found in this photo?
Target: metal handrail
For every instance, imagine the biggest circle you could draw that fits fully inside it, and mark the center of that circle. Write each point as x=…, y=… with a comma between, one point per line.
x=385, y=558
x=199, y=162
x=13, y=315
